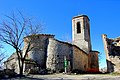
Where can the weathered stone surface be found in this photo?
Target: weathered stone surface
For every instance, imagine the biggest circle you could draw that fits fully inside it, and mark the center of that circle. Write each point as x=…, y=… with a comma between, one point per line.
x=93, y=61
x=39, y=43
x=112, y=50
x=57, y=50
x=81, y=39
x=80, y=59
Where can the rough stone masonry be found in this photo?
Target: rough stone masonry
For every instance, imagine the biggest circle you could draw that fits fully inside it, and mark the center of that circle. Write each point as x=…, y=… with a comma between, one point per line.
x=112, y=50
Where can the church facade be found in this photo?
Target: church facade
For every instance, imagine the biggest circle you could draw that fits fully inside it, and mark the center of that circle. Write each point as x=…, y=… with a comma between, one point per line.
x=50, y=53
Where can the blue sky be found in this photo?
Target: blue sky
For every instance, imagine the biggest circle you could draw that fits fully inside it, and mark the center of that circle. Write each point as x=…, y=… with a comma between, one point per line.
x=56, y=15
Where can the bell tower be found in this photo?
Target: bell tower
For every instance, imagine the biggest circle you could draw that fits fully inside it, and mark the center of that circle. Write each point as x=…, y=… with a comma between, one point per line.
x=81, y=32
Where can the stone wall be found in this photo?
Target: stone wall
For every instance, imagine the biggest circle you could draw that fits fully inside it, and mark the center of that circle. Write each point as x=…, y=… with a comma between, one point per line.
x=80, y=59
x=93, y=63
x=12, y=63
x=39, y=45
x=112, y=50
x=57, y=50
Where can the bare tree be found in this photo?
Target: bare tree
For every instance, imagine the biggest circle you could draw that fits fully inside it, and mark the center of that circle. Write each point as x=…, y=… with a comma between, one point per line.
x=2, y=56
x=13, y=30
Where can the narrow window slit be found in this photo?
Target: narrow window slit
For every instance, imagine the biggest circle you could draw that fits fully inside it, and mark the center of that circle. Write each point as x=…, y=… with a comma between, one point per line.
x=78, y=27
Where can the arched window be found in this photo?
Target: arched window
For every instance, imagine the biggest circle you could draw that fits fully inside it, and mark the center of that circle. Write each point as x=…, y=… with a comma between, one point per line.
x=78, y=27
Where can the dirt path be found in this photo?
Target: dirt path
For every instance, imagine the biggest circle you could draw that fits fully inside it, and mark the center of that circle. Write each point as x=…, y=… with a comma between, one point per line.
x=76, y=77
x=69, y=77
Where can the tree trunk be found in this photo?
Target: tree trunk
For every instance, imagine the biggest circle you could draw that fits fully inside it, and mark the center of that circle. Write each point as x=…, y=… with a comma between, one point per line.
x=21, y=67
x=20, y=64
x=21, y=71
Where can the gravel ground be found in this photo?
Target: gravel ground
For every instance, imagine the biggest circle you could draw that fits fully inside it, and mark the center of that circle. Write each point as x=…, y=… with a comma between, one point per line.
x=69, y=77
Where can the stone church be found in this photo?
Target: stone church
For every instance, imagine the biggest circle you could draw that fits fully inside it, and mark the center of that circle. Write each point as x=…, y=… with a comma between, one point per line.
x=50, y=53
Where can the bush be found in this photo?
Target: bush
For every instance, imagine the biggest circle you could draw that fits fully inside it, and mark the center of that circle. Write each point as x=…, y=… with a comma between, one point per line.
x=33, y=71
x=7, y=73
x=2, y=73
x=93, y=70
x=49, y=71
x=77, y=71
x=43, y=71
x=114, y=73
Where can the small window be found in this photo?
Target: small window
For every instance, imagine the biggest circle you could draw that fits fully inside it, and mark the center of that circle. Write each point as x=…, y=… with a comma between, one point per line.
x=78, y=27
x=38, y=37
x=57, y=55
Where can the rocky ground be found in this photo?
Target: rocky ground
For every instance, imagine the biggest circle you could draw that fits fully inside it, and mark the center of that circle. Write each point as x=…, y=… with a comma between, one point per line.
x=77, y=77
x=69, y=77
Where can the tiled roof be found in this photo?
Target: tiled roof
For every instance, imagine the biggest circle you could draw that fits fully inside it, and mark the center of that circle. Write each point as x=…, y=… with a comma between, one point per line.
x=69, y=44
x=40, y=35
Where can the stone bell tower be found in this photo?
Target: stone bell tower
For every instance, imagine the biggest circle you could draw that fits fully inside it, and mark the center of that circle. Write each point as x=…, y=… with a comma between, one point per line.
x=81, y=32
